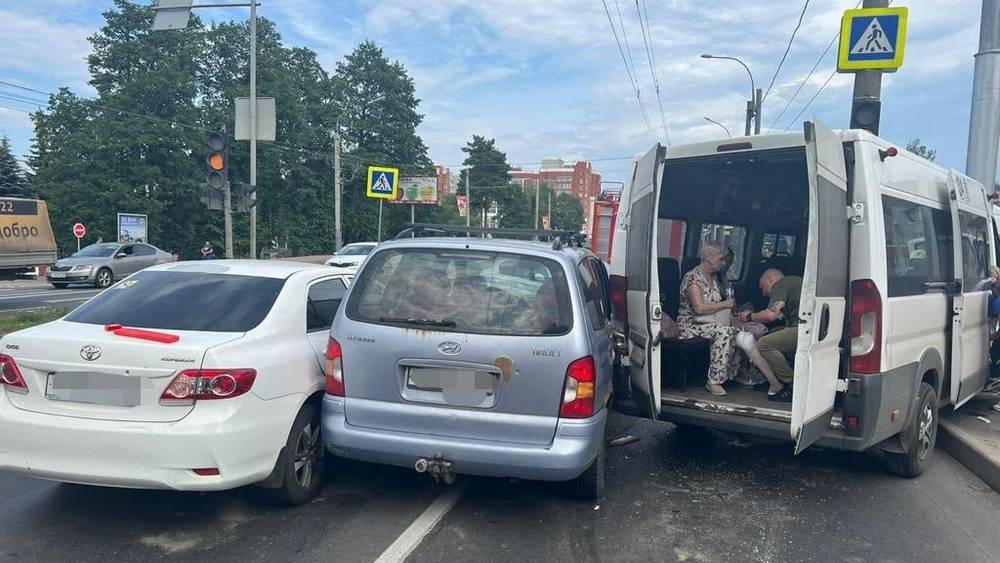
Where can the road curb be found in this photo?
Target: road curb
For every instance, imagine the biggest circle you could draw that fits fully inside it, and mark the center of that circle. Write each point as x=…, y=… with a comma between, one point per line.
x=969, y=452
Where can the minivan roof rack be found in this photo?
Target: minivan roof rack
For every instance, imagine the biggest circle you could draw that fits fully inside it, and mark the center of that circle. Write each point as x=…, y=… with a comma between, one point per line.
x=558, y=238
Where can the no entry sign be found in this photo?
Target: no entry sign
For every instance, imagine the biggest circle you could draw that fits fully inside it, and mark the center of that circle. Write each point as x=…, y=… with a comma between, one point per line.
x=79, y=231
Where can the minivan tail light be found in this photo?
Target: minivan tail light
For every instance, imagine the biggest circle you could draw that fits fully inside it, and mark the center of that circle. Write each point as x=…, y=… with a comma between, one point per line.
x=866, y=327
x=334, y=369
x=617, y=290
x=10, y=375
x=578, y=389
x=207, y=385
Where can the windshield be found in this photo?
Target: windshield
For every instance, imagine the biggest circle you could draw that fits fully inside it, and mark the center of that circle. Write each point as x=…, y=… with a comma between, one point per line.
x=183, y=301
x=463, y=291
x=103, y=250
x=356, y=250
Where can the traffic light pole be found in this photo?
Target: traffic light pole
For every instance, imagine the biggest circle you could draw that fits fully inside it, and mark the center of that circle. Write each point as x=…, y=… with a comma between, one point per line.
x=984, y=120
x=253, y=130
x=227, y=212
x=868, y=83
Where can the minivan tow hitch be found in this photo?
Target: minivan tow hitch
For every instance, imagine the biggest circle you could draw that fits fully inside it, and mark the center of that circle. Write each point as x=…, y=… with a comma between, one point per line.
x=438, y=468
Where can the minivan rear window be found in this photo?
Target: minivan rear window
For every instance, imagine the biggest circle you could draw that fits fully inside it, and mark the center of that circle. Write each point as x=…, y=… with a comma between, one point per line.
x=183, y=301
x=460, y=290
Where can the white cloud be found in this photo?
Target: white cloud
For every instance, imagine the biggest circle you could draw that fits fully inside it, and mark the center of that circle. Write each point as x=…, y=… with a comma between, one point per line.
x=44, y=49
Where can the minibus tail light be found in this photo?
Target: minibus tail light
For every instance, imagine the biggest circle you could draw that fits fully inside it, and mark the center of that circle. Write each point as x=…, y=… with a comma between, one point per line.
x=866, y=327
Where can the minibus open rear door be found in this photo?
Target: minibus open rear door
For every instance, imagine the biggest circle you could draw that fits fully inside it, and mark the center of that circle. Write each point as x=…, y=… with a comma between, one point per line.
x=824, y=288
x=642, y=283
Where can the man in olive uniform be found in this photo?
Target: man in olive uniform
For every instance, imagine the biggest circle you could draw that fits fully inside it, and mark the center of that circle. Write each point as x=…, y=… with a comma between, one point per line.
x=784, y=292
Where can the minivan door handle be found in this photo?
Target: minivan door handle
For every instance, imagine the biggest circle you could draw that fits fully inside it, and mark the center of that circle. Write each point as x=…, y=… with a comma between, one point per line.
x=948, y=288
x=824, y=322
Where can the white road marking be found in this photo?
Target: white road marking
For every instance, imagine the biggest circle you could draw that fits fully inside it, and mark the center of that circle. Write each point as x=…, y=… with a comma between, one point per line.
x=414, y=534
x=49, y=294
x=83, y=298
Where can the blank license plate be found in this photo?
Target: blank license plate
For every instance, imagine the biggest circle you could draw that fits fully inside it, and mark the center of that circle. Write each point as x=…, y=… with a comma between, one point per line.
x=57, y=274
x=94, y=388
x=457, y=387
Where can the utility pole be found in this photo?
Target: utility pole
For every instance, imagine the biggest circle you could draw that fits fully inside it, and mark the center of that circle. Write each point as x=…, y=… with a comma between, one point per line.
x=758, y=102
x=538, y=193
x=468, y=200
x=550, y=208
x=338, y=194
x=253, y=129
x=867, y=87
x=984, y=121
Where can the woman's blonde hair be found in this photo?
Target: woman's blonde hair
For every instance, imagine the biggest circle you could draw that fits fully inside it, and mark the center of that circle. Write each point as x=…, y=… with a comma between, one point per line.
x=711, y=248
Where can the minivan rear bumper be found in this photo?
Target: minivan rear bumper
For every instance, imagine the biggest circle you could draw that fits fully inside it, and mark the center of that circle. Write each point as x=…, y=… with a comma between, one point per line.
x=572, y=450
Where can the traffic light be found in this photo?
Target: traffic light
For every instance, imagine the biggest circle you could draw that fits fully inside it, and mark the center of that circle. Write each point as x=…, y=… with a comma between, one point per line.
x=217, y=161
x=865, y=114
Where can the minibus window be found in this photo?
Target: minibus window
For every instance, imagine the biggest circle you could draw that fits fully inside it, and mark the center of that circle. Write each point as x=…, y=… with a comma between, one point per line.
x=671, y=233
x=777, y=245
x=975, y=250
x=733, y=236
x=910, y=259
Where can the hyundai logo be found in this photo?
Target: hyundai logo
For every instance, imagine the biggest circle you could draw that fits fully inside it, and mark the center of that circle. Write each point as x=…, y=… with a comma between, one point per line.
x=90, y=352
x=449, y=348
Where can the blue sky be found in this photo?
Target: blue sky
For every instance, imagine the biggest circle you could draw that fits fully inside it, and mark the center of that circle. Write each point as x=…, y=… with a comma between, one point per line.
x=546, y=79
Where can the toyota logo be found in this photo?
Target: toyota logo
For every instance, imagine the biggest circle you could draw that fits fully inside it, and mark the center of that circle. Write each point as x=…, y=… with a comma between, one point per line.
x=90, y=352
x=449, y=348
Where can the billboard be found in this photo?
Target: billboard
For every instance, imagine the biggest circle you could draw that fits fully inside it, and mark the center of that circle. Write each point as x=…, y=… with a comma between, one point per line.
x=132, y=228
x=462, y=205
x=418, y=190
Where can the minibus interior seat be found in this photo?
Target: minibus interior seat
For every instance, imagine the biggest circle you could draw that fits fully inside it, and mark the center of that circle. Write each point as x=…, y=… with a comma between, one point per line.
x=682, y=359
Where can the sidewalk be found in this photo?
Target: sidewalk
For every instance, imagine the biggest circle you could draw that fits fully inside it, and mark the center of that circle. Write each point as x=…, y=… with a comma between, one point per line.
x=973, y=441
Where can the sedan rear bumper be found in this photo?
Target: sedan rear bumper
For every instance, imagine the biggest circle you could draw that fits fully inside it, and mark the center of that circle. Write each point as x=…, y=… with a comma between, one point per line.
x=241, y=440
x=572, y=450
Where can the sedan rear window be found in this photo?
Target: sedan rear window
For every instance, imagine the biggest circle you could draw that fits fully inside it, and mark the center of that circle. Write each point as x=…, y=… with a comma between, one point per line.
x=183, y=301
x=463, y=291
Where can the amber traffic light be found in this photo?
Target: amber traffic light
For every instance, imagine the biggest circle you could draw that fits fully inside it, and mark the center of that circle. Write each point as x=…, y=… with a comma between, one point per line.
x=217, y=161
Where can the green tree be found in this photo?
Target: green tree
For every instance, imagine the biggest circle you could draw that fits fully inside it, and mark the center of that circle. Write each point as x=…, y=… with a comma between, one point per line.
x=487, y=170
x=376, y=106
x=132, y=149
x=13, y=180
x=917, y=147
x=567, y=213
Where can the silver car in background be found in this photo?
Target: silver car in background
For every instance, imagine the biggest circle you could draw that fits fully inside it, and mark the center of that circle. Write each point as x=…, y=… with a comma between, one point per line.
x=352, y=255
x=476, y=356
x=102, y=263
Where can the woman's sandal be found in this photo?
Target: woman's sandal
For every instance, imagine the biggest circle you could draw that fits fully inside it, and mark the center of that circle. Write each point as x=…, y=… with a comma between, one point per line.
x=721, y=391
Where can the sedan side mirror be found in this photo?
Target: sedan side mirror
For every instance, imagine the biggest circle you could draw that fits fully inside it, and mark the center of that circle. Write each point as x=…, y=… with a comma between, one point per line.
x=121, y=255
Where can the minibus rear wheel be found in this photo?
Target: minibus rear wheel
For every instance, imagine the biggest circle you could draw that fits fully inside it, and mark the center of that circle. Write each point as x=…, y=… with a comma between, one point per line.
x=919, y=436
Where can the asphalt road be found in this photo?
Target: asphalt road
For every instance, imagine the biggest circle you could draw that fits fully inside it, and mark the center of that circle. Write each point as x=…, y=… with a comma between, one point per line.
x=709, y=498
x=35, y=295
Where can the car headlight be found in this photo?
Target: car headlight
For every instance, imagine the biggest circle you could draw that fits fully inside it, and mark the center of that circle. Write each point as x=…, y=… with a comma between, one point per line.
x=81, y=268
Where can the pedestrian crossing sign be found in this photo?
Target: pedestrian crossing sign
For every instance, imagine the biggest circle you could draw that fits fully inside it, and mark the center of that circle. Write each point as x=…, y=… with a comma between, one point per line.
x=872, y=39
x=383, y=182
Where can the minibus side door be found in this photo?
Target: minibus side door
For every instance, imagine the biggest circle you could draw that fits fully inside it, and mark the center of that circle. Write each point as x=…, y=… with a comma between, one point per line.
x=823, y=303
x=642, y=283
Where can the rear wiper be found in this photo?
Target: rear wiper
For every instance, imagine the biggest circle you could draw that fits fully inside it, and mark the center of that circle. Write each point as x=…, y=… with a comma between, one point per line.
x=428, y=322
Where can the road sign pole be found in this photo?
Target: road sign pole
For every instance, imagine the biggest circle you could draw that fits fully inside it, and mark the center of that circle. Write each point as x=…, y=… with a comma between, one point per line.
x=984, y=121
x=253, y=129
x=413, y=213
x=868, y=83
x=380, y=201
x=78, y=245
x=468, y=200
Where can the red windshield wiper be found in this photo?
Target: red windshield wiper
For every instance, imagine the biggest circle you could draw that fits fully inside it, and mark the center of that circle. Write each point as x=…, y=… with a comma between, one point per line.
x=162, y=337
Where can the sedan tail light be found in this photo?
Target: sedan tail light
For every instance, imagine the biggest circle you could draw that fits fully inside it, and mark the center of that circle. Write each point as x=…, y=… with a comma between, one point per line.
x=207, y=385
x=578, y=390
x=11, y=376
x=334, y=369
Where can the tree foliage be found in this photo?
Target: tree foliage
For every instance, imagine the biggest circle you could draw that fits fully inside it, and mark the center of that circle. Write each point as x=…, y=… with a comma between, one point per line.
x=139, y=147
x=917, y=147
x=13, y=180
x=567, y=213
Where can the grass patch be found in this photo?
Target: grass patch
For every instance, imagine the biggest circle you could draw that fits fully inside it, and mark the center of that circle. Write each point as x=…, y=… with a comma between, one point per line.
x=24, y=319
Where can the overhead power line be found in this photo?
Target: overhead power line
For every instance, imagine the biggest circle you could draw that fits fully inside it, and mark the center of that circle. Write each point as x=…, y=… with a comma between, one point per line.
x=811, y=100
x=644, y=25
x=629, y=71
x=787, y=49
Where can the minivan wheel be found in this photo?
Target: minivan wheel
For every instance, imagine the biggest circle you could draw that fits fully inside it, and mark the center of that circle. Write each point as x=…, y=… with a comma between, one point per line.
x=919, y=438
x=303, y=460
x=103, y=278
x=590, y=484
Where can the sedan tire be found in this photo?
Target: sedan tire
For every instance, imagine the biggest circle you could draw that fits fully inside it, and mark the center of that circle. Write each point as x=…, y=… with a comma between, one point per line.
x=104, y=278
x=302, y=461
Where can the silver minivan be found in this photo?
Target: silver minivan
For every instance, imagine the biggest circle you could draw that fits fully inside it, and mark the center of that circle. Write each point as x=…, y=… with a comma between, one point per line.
x=476, y=356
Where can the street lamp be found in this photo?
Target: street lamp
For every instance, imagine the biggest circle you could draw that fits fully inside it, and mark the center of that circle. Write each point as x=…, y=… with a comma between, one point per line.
x=755, y=101
x=174, y=14
x=726, y=129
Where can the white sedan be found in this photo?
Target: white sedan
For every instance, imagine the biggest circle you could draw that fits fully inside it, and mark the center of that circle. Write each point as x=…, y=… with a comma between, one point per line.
x=352, y=256
x=193, y=376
